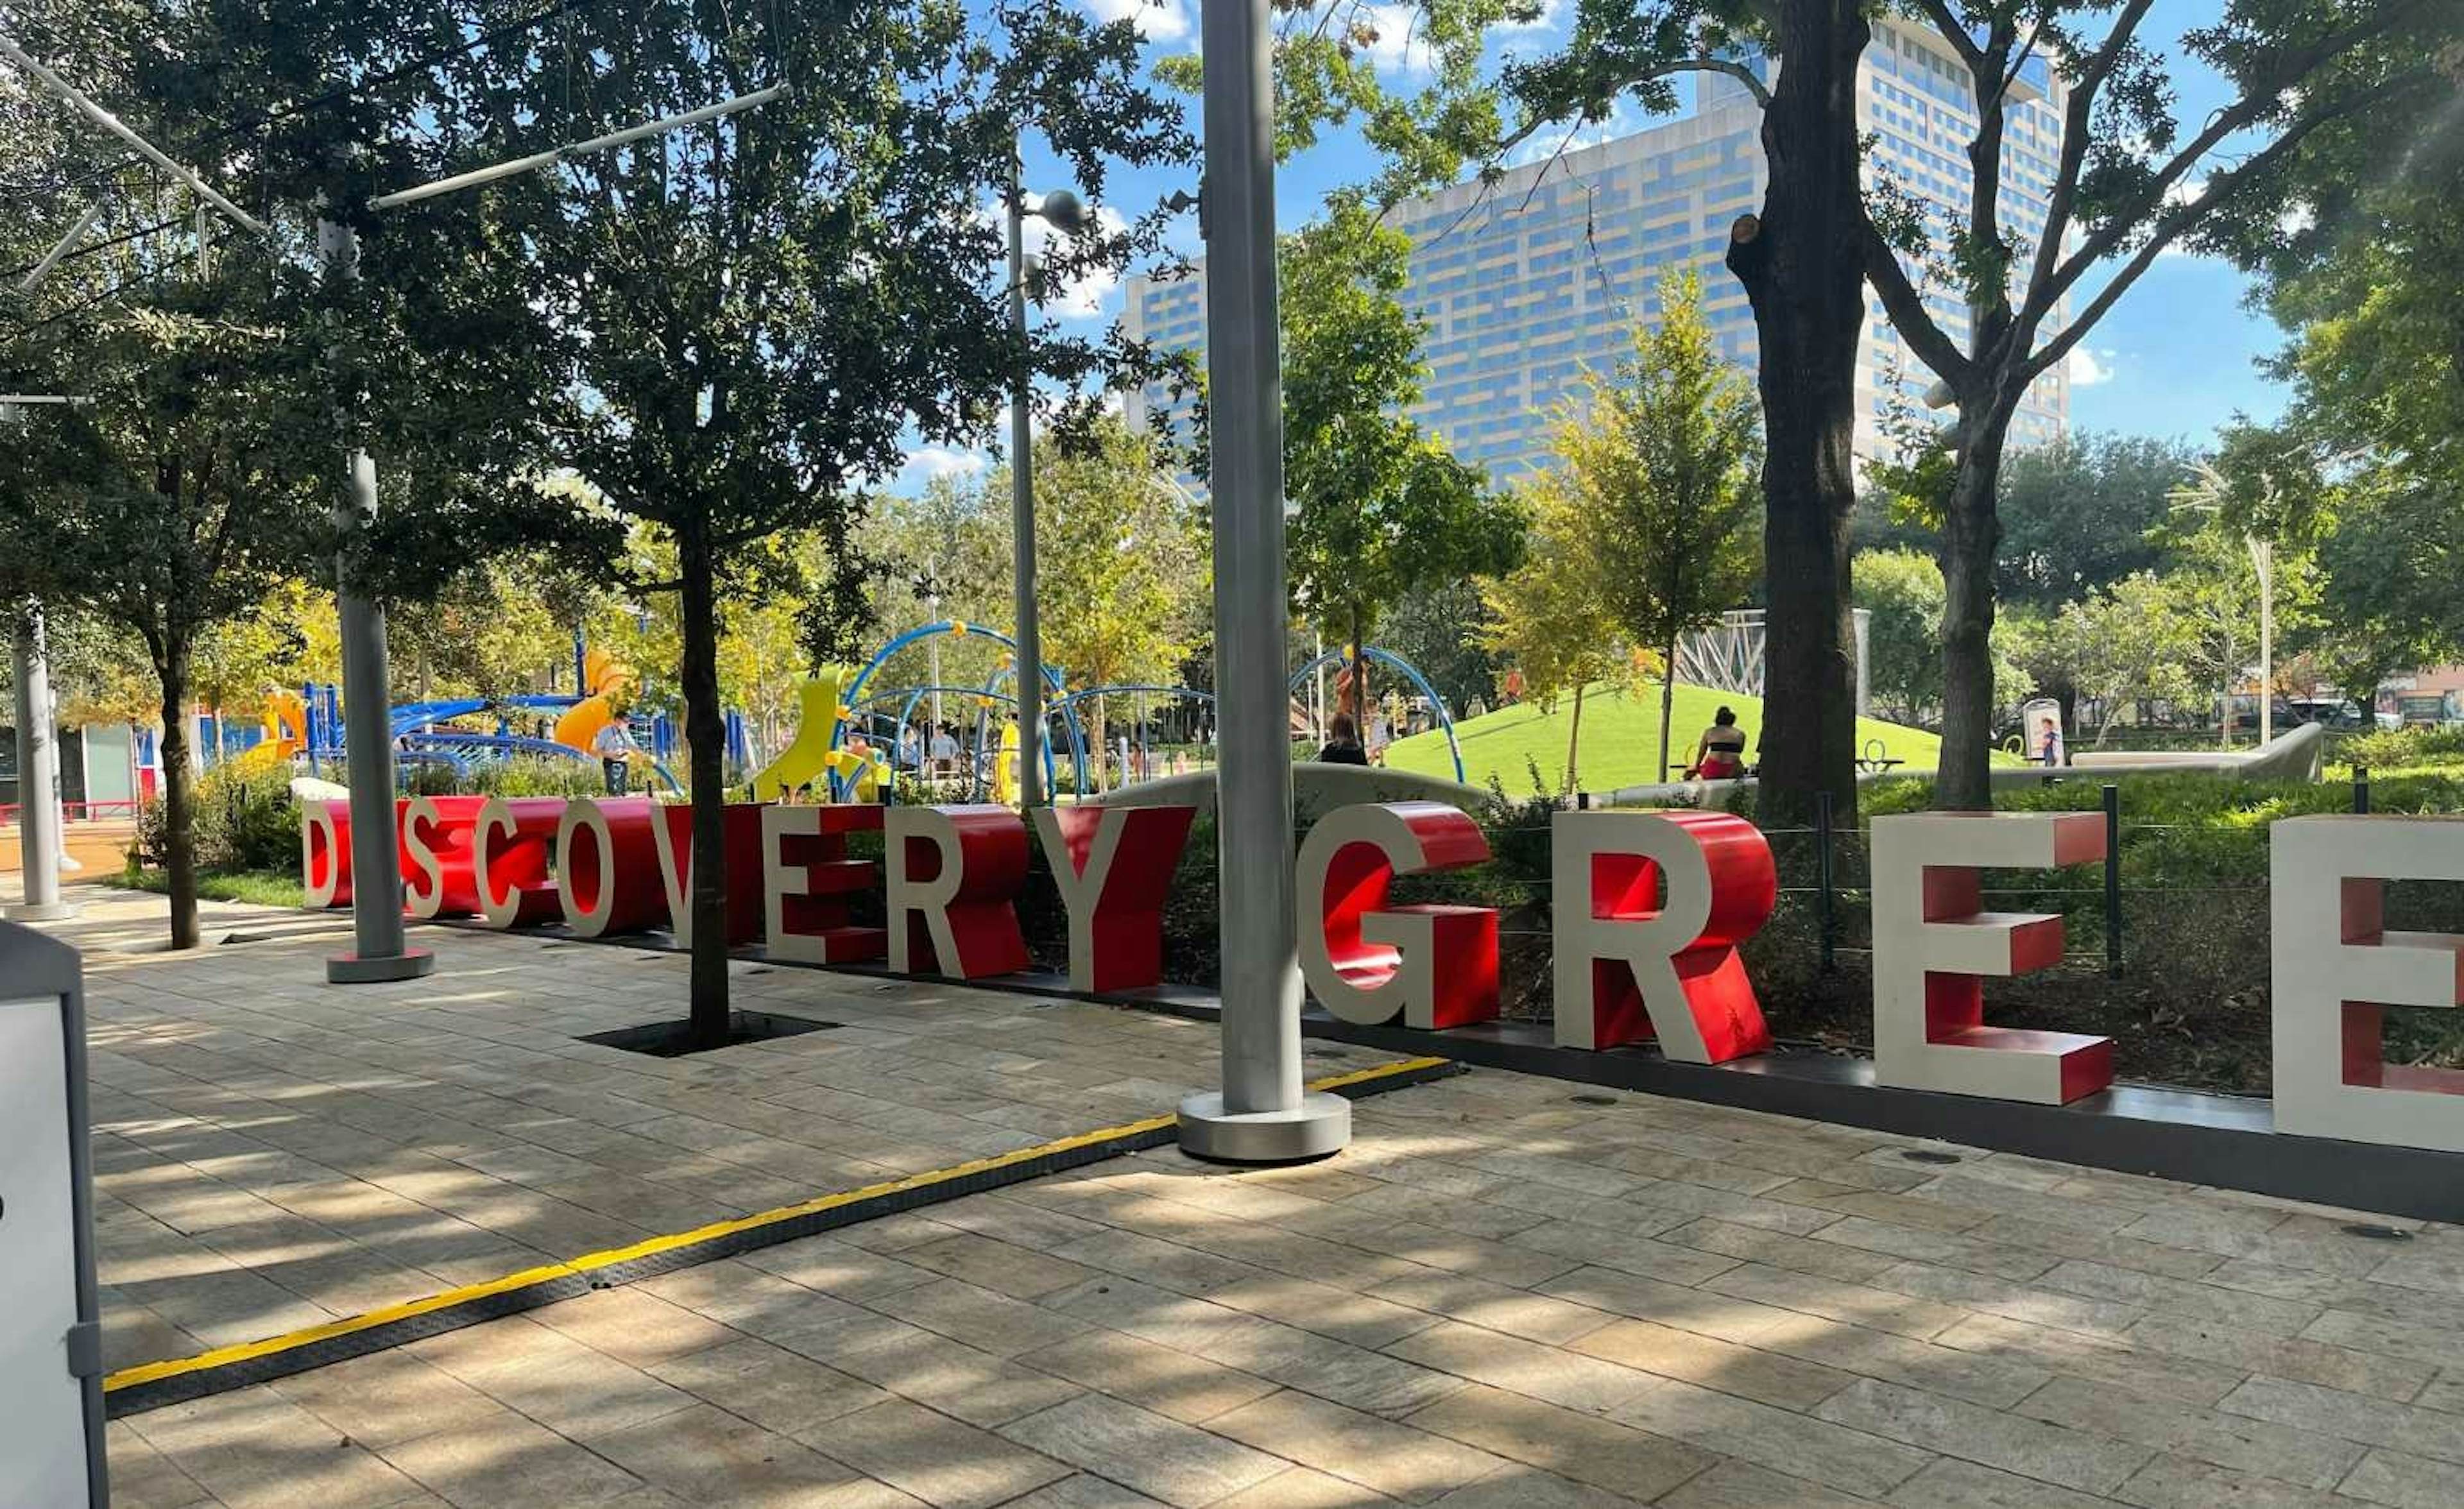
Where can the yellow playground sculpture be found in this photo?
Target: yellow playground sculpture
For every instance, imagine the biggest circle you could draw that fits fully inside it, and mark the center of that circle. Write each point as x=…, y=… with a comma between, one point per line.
x=809, y=761
x=605, y=683
x=286, y=734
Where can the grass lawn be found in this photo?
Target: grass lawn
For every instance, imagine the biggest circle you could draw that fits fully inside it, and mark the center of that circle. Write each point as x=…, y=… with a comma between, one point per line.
x=252, y=888
x=1620, y=743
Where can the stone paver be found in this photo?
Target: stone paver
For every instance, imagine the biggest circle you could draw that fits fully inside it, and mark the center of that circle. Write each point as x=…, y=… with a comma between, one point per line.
x=1496, y=1299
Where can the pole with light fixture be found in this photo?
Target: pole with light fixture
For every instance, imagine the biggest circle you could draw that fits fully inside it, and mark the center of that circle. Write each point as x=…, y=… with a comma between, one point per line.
x=1063, y=213
x=1262, y=1113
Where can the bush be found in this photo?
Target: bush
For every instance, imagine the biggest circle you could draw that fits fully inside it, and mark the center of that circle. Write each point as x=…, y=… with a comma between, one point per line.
x=244, y=821
x=2400, y=749
x=528, y=776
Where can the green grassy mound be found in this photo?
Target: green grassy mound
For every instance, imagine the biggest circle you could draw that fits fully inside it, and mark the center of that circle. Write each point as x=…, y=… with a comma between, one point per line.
x=1620, y=744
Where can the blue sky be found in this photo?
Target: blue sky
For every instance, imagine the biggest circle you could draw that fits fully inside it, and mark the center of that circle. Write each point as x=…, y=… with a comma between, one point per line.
x=2175, y=357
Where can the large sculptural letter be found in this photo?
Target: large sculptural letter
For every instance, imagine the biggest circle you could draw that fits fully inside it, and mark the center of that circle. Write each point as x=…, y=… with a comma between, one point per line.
x=1365, y=960
x=604, y=857
x=1934, y=944
x=325, y=852
x=510, y=845
x=1633, y=965
x=1113, y=866
x=742, y=851
x=437, y=834
x=2338, y=967
x=953, y=873
x=806, y=879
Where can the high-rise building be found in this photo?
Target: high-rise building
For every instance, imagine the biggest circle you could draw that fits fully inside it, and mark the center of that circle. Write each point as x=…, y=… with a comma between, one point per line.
x=1528, y=281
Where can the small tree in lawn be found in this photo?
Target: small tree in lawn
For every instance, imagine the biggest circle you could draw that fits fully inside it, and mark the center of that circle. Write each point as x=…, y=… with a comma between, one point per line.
x=1663, y=463
x=1384, y=509
x=1116, y=547
x=1549, y=615
x=2128, y=643
x=1902, y=590
x=753, y=317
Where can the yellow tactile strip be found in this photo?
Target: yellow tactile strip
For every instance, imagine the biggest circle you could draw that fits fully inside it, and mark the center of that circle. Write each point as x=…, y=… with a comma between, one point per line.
x=150, y=1386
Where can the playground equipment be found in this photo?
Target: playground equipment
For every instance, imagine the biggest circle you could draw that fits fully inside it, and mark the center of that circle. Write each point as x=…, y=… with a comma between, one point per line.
x=857, y=702
x=1404, y=668
x=286, y=734
x=813, y=755
x=603, y=682
x=996, y=742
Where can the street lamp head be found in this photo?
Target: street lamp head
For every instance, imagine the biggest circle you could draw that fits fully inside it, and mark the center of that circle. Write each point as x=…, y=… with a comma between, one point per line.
x=1062, y=211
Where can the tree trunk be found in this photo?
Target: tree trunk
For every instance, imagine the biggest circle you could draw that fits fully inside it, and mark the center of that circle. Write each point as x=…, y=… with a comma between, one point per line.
x=179, y=794
x=1574, y=743
x=1970, y=533
x=706, y=744
x=1100, y=752
x=1667, y=705
x=1802, y=265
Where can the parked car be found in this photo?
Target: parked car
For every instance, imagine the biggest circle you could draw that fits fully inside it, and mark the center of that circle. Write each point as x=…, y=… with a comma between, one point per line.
x=2335, y=713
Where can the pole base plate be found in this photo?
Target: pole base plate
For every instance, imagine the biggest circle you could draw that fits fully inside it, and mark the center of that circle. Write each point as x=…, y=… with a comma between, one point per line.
x=350, y=969
x=46, y=912
x=1321, y=1123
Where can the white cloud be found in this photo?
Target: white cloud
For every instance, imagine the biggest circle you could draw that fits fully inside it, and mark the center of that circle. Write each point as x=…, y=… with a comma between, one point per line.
x=2086, y=368
x=1158, y=20
x=1395, y=41
x=924, y=463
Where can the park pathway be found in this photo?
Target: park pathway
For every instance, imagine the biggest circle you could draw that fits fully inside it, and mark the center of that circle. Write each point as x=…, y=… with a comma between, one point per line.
x=1503, y=1294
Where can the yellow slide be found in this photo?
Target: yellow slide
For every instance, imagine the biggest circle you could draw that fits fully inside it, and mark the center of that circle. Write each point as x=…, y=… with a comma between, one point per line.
x=286, y=734
x=604, y=680
x=808, y=757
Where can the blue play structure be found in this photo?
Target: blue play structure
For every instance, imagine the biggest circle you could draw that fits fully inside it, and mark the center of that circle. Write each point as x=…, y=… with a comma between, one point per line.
x=423, y=734
x=871, y=708
x=1394, y=662
x=418, y=739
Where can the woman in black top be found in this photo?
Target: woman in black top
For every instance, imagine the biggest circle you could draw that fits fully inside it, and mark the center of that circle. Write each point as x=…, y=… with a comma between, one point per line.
x=1720, y=754
x=1342, y=745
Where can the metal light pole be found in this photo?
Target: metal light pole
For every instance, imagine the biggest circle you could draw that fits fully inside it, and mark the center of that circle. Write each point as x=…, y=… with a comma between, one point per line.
x=38, y=804
x=1263, y=1114
x=1061, y=209
x=379, y=953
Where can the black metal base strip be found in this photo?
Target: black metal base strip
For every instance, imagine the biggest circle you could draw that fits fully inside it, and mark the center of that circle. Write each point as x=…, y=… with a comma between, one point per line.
x=151, y=1386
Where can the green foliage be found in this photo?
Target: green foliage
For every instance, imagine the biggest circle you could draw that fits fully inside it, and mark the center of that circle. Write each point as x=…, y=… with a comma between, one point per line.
x=1442, y=631
x=1662, y=466
x=2082, y=513
x=527, y=776
x=1550, y=619
x=2384, y=750
x=246, y=887
x=1120, y=559
x=1902, y=589
x=2130, y=643
x=1384, y=509
x=244, y=821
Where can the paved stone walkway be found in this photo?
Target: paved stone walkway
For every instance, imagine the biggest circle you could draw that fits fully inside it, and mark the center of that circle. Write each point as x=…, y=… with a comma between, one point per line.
x=1498, y=1297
